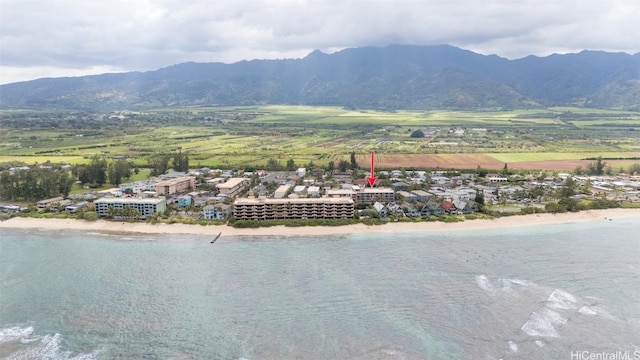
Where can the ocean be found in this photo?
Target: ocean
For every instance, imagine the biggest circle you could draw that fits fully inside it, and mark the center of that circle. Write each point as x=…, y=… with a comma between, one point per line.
x=562, y=291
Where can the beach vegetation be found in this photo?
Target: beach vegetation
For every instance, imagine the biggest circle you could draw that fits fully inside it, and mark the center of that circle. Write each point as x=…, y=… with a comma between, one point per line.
x=90, y=216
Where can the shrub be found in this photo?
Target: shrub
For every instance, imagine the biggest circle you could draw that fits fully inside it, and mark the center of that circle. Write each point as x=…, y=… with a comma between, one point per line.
x=90, y=215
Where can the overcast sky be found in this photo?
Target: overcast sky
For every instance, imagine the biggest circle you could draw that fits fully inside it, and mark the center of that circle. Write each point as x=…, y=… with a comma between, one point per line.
x=51, y=38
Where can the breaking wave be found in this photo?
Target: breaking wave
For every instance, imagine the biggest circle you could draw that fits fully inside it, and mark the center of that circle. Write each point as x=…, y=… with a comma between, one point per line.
x=29, y=346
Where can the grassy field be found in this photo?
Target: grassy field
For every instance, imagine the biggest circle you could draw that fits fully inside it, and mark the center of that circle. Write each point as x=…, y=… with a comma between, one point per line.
x=237, y=137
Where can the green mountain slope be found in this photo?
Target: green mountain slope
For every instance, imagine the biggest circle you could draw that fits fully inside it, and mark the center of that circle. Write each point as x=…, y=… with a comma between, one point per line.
x=392, y=77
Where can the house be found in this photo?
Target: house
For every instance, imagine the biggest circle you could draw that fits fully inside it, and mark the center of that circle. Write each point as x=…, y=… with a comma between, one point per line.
x=381, y=209
x=395, y=209
x=216, y=212
x=449, y=207
x=396, y=173
x=73, y=208
x=48, y=204
x=414, y=213
x=432, y=208
x=465, y=206
x=184, y=201
x=9, y=209
x=301, y=172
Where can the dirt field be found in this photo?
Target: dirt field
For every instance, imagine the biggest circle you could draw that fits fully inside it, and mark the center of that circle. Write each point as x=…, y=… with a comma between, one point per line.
x=472, y=161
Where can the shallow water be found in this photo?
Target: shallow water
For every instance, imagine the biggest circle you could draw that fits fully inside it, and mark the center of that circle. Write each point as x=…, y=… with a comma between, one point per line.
x=527, y=293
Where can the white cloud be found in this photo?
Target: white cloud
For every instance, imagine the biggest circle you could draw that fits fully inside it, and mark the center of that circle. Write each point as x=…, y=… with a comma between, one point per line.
x=149, y=34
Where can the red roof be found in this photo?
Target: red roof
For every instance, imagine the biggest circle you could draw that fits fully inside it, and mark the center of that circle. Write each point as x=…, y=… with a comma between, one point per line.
x=447, y=205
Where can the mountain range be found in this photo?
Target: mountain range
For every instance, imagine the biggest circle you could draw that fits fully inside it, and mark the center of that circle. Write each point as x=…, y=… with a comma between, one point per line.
x=387, y=78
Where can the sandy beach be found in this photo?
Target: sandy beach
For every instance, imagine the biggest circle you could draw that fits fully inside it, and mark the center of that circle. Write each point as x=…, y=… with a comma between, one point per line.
x=144, y=228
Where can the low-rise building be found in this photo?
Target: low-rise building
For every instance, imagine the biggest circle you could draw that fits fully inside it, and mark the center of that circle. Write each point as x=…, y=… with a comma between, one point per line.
x=9, y=209
x=47, y=204
x=313, y=191
x=146, y=207
x=281, y=191
x=371, y=195
x=179, y=185
x=233, y=186
x=407, y=196
x=216, y=212
x=341, y=193
x=301, y=208
x=73, y=208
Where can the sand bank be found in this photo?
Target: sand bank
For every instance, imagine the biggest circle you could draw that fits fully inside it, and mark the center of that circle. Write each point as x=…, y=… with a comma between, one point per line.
x=144, y=228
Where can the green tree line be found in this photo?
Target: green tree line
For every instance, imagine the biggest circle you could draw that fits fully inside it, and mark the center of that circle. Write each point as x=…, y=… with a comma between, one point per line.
x=35, y=184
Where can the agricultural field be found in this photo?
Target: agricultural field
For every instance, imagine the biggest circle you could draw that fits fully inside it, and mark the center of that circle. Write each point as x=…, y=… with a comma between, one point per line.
x=247, y=137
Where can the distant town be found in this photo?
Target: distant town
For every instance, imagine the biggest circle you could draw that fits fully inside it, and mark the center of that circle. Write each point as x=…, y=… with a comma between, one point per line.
x=215, y=195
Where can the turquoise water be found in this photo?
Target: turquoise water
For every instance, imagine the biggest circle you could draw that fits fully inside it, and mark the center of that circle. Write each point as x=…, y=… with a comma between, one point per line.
x=527, y=293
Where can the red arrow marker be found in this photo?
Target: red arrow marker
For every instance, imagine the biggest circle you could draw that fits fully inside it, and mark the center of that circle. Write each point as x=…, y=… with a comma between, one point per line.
x=372, y=178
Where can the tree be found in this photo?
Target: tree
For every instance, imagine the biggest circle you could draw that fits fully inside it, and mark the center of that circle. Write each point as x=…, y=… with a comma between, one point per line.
x=93, y=173
x=180, y=162
x=568, y=188
x=343, y=165
x=505, y=170
x=502, y=198
x=159, y=164
x=65, y=182
x=291, y=165
x=118, y=170
x=569, y=204
x=273, y=164
x=479, y=199
x=597, y=167
x=354, y=163
x=35, y=184
x=331, y=166
x=417, y=134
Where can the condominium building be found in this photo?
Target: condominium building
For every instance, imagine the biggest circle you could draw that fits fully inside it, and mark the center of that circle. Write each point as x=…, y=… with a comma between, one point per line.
x=301, y=208
x=147, y=207
x=341, y=193
x=372, y=195
x=233, y=186
x=179, y=185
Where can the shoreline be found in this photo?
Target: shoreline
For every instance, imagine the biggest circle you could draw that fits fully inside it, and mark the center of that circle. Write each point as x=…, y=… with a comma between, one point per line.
x=106, y=226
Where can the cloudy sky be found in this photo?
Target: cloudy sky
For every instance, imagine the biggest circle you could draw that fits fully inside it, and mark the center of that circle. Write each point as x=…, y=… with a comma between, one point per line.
x=45, y=38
